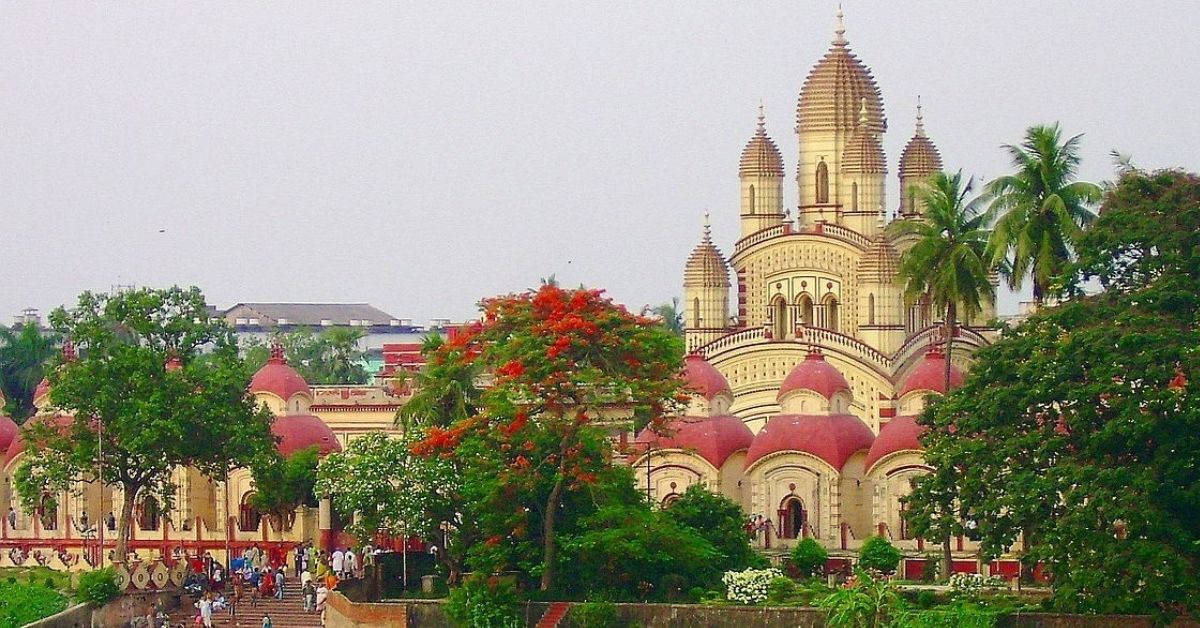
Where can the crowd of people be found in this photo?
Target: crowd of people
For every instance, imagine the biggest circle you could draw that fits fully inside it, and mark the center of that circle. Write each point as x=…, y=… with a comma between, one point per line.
x=253, y=577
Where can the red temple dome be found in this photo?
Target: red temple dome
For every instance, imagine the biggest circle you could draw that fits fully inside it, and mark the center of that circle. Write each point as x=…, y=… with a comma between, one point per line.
x=17, y=445
x=831, y=438
x=814, y=374
x=714, y=439
x=8, y=432
x=277, y=378
x=704, y=378
x=902, y=433
x=930, y=375
x=301, y=431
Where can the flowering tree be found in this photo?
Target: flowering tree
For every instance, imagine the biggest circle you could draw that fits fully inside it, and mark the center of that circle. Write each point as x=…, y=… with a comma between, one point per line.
x=568, y=367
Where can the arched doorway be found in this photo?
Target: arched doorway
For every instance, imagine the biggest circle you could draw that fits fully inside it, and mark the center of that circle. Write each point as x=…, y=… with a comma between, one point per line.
x=248, y=516
x=805, y=304
x=670, y=499
x=792, y=518
x=150, y=514
x=48, y=512
x=831, y=313
x=779, y=318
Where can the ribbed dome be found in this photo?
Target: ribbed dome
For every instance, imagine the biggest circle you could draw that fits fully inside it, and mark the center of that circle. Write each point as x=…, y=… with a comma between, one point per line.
x=761, y=157
x=880, y=264
x=831, y=438
x=706, y=267
x=834, y=90
x=863, y=153
x=814, y=374
x=902, y=433
x=703, y=378
x=714, y=439
x=301, y=431
x=930, y=375
x=277, y=378
x=920, y=157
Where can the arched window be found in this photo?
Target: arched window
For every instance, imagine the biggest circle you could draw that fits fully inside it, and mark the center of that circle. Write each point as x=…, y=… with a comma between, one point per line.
x=831, y=312
x=912, y=199
x=150, y=514
x=752, y=199
x=904, y=533
x=822, y=183
x=696, y=313
x=806, y=310
x=670, y=499
x=779, y=316
x=792, y=518
x=854, y=196
x=870, y=309
x=248, y=516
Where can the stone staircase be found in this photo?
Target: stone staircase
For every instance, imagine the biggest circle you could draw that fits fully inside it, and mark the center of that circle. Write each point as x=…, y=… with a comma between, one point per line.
x=285, y=613
x=554, y=615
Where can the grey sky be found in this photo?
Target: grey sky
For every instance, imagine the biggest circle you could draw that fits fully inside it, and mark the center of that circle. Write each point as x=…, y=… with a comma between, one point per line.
x=420, y=156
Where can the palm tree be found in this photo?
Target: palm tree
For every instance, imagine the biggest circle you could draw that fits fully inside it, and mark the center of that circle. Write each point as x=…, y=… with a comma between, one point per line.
x=671, y=315
x=445, y=390
x=23, y=357
x=1042, y=209
x=948, y=262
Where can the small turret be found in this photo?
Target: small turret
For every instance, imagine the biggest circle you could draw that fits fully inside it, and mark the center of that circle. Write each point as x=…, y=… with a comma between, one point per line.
x=864, y=170
x=919, y=160
x=705, y=292
x=760, y=172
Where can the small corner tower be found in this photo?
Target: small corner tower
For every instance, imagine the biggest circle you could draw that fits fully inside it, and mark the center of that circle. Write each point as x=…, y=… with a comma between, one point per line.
x=760, y=171
x=864, y=170
x=919, y=160
x=705, y=292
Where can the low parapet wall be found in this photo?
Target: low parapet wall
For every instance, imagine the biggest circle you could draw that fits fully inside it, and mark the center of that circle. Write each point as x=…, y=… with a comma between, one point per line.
x=343, y=613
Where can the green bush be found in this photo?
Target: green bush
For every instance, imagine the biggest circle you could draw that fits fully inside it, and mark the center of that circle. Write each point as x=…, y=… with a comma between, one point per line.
x=48, y=582
x=809, y=557
x=865, y=602
x=932, y=568
x=482, y=604
x=781, y=591
x=22, y=604
x=594, y=615
x=98, y=587
x=877, y=554
x=926, y=598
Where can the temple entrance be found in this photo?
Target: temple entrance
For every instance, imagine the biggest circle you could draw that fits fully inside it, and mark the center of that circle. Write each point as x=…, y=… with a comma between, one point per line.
x=792, y=518
x=248, y=516
x=150, y=514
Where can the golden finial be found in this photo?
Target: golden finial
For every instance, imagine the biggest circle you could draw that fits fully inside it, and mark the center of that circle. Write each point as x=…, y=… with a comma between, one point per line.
x=840, y=31
x=707, y=228
x=920, y=119
x=762, y=117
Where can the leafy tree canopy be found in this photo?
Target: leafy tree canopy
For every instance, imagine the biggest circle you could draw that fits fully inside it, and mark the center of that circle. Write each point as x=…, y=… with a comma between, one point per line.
x=140, y=402
x=24, y=353
x=720, y=521
x=282, y=484
x=1080, y=428
x=331, y=356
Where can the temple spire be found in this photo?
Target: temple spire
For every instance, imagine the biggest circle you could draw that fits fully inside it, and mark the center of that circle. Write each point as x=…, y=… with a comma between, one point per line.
x=920, y=119
x=707, y=228
x=840, y=31
x=762, y=118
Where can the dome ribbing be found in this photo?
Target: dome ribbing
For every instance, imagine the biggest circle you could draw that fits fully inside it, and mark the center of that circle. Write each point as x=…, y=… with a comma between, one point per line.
x=761, y=156
x=834, y=89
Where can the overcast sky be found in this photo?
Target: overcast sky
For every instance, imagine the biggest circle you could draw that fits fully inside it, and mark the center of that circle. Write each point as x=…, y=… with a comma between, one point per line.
x=419, y=156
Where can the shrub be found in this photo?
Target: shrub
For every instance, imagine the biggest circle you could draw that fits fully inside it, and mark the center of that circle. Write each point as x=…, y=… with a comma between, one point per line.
x=931, y=569
x=781, y=590
x=809, y=557
x=926, y=599
x=48, y=582
x=479, y=603
x=972, y=584
x=594, y=615
x=749, y=586
x=877, y=554
x=98, y=587
x=864, y=602
x=22, y=604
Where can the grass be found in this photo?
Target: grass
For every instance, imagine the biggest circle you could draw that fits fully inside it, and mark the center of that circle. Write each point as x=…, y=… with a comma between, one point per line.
x=37, y=576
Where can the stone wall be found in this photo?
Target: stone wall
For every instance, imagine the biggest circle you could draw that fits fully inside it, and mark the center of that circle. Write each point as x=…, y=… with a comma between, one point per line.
x=115, y=614
x=78, y=616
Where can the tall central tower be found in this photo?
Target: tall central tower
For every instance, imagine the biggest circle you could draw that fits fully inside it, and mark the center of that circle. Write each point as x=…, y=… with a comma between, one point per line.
x=838, y=89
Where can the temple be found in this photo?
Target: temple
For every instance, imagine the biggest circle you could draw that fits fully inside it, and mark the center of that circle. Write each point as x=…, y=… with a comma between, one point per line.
x=807, y=364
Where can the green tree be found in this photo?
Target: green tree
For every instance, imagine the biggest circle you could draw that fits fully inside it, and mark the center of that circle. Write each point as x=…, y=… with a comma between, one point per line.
x=445, y=388
x=1078, y=431
x=283, y=484
x=878, y=554
x=23, y=357
x=720, y=521
x=331, y=356
x=568, y=366
x=1042, y=210
x=809, y=556
x=670, y=315
x=141, y=401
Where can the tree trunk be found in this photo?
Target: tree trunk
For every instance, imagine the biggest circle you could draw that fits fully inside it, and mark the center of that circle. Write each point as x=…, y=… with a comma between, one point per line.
x=951, y=314
x=549, y=547
x=125, y=523
x=947, y=559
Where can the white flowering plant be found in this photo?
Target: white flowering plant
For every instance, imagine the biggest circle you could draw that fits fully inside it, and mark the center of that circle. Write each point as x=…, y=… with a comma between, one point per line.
x=972, y=584
x=749, y=586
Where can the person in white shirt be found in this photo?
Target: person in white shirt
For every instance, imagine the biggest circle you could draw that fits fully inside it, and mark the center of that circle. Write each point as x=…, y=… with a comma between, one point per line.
x=351, y=564
x=338, y=563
